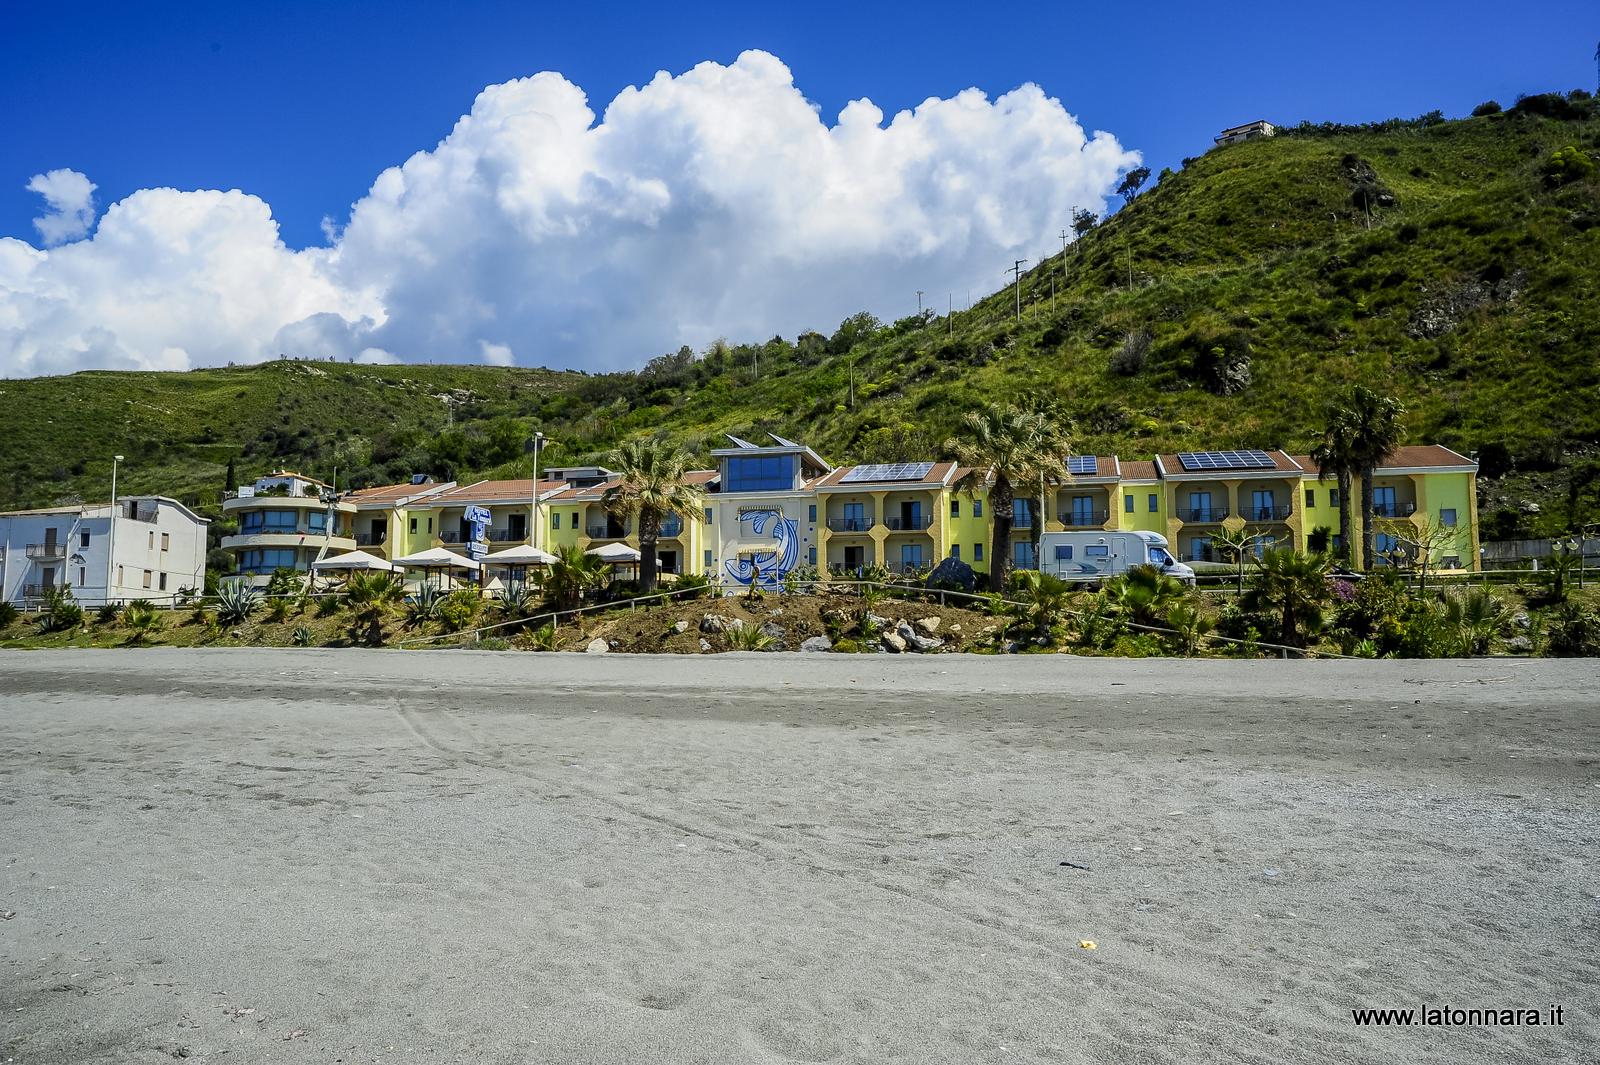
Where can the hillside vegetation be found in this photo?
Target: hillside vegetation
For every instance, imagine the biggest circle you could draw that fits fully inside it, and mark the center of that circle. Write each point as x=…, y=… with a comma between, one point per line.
x=1453, y=264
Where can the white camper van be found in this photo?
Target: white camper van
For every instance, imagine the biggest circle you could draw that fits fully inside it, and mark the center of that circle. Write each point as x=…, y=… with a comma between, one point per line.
x=1098, y=556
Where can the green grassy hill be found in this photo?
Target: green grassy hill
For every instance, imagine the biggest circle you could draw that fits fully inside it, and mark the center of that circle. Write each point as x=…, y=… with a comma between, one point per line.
x=1445, y=262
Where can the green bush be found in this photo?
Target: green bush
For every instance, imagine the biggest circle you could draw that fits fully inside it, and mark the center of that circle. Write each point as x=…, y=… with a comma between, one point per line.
x=1572, y=632
x=141, y=618
x=60, y=611
x=302, y=636
x=693, y=586
x=8, y=614
x=278, y=609
x=236, y=601
x=108, y=614
x=457, y=610
x=1567, y=165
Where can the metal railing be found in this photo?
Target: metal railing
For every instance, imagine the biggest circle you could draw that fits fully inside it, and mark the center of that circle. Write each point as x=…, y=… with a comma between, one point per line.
x=850, y=525
x=1083, y=519
x=1393, y=510
x=1274, y=513
x=607, y=532
x=369, y=539
x=1203, y=515
x=915, y=523
x=46, y=551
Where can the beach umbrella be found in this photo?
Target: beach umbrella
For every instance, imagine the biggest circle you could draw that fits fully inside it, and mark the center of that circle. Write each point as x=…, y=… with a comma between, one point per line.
x=614, y=553
x=353, y=560
x=436, y=558
x=521, y=555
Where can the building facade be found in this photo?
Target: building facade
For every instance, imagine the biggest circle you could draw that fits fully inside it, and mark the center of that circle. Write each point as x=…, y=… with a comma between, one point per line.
x=286, y=521
x=144, y=547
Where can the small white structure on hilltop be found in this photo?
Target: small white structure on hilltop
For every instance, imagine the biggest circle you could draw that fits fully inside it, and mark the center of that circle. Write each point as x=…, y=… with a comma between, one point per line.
x=144, y=547
x=1249, y=131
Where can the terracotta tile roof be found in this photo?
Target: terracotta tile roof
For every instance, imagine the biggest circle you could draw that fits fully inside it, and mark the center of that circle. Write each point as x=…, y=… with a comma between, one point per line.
x=1414, y=455
x=701, y=477
x=390, y=493
x=493, y=492
x=1138, y=470
x=590, y=494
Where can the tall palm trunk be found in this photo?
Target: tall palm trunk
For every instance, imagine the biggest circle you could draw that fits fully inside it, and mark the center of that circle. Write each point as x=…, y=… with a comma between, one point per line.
x=1346, y=548
x=649, y=536
x=1366, y=518
x=1002, y=505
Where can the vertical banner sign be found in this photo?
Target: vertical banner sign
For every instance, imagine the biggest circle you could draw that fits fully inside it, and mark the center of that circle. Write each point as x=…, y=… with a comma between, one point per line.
x=478, y=519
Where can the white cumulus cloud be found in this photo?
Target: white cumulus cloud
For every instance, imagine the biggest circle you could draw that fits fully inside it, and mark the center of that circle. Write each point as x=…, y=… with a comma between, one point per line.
x=715, y=202
x=69, y=202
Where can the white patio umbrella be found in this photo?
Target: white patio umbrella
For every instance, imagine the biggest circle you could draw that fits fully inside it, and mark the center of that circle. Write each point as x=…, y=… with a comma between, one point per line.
x=515, y=560
x=353, y=560
x=614, y=553
x=437, y=558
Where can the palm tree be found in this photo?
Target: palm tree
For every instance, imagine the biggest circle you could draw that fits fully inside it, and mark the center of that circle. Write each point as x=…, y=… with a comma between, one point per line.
x=1373, y=422
x=1477, y=616
x=572, y=575
x=1296, y=587
x=1046, y=595
x=1336, y=460
x=1145, y=594
x=1006, y=447
x=369, y=596
x=653, y=487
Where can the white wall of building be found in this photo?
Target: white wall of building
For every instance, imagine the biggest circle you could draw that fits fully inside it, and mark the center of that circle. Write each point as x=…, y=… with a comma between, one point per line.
x=159, y=547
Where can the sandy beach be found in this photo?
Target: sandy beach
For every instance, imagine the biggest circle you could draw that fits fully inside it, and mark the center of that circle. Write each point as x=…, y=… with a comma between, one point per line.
x=345, y=856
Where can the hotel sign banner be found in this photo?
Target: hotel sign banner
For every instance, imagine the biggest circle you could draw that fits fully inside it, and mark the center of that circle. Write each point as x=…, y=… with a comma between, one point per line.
x=478, y=519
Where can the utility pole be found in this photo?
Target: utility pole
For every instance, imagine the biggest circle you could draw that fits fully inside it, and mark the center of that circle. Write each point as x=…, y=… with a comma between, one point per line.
x=919, y=303
x=533, y=446
x=1016, y=277
x=950, y=311
x=111, y=538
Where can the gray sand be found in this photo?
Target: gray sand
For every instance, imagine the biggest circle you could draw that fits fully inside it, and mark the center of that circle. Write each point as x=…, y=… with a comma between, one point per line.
x=431, y=857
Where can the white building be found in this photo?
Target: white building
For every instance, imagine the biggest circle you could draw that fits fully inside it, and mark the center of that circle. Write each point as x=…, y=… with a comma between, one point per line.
x=762, y=518
x=146, y=547
x=286, y=521
x=1247, y=132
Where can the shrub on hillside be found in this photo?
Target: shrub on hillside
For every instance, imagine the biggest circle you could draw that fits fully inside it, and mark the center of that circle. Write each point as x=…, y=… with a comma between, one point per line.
x=1130, y=355
x=1567, y=165
x=1488, y=107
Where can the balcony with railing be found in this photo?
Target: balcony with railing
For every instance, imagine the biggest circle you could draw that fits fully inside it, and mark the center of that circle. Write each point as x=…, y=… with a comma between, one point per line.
x=372, y=539
x=1083, y=519
x=850, y=525
x=1203, y=515
x=607, y=531
x=1265, y=513
x=908, y=522
x=46, y=552
x=38, y=591
x=1393, y=509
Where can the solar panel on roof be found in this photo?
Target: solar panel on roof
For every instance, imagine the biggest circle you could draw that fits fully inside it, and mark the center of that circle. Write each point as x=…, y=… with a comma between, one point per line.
x=1250, y=459
x=888, y=471
x=1082, y=465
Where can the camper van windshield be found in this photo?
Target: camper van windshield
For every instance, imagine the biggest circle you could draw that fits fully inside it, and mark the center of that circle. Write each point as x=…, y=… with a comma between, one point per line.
x=1160, y=557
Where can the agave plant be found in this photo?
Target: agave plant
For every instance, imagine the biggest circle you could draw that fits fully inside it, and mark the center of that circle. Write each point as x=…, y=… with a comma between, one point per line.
x=302, y=636
x=424, y=605
x=236, y=601
x=749, y=638
x=60, y=611
x=142, y=619
x=544, y=638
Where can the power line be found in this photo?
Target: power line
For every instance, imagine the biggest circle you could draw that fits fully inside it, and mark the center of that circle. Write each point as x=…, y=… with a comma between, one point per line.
x=1016, y=276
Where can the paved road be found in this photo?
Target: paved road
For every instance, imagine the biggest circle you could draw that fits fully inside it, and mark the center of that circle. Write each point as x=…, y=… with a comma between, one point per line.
x=333, y=856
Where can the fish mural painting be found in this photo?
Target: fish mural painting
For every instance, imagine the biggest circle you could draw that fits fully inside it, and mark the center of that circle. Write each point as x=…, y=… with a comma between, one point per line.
x=767, y=568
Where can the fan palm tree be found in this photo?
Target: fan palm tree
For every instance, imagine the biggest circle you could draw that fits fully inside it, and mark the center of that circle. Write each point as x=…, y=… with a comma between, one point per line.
x=572, y=575
x=1336, y=461
x=1477, y=615
x=1295, y=586
x=1046, y=595
x=369, y=596
x=652, y=488
x=1373, y=424
x=1007, y=447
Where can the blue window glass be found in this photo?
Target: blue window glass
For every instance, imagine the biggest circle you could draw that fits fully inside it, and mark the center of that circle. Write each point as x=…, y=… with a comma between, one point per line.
x=1127, y=504
x=1022, y=553
x=955, y=550
x=761, y=473
x=955, y=508
x=1155, y=503
x=268, y=521
x=1447, y=517
x=813, y=558
x=1022, y=514
x=1063, y=552
x=1096, y=551
x=813, y=514
x=555, y=520
x=317, y=520
x=977, y=552
x=708, y=558
x=708, y=519
x=977, y=508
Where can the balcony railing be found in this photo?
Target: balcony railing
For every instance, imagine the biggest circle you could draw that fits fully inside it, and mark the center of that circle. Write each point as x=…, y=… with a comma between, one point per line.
x=1274, y=513
x=46, y=551
x=37, y=591
x=508, y=535
x=1393, y=510
x=1081, y=518
x=371, y=539
x=899, y=523
x=607, y=532
x=849, y=525
x=451, y=536
x=1203, y=515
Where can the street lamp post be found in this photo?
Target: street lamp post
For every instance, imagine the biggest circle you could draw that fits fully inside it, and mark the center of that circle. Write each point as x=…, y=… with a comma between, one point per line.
x=533, y=446
x=111, y=535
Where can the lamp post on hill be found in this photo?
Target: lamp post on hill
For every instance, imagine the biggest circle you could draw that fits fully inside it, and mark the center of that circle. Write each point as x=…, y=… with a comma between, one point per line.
x=534, y=444
x=111, y=535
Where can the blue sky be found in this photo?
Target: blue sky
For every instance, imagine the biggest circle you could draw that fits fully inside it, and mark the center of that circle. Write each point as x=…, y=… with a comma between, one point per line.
x=600, y=215
x=304, y=103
